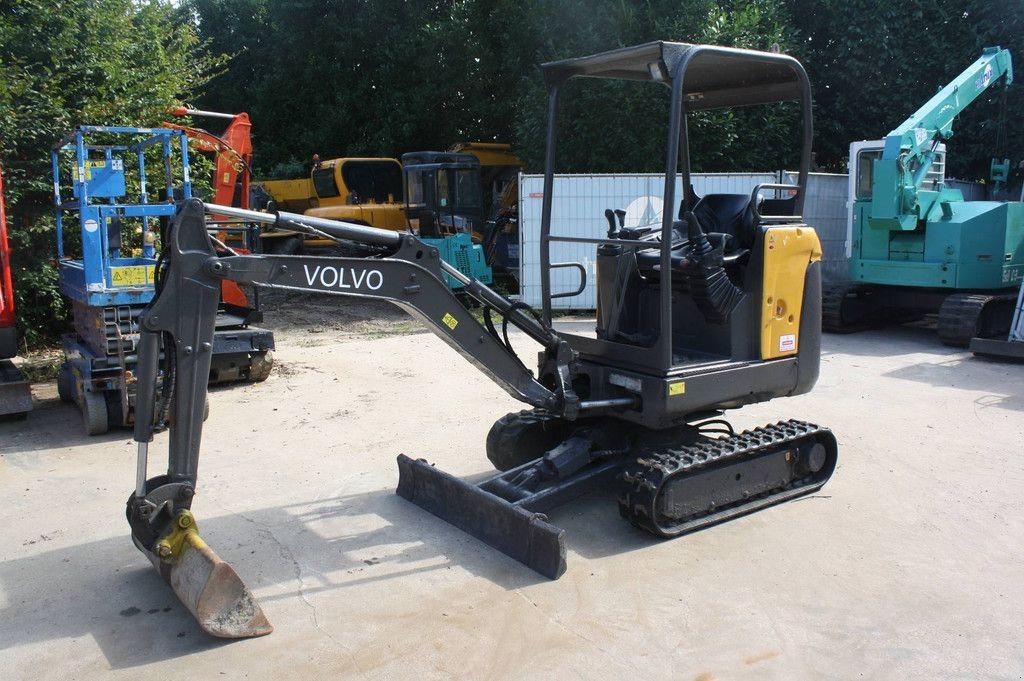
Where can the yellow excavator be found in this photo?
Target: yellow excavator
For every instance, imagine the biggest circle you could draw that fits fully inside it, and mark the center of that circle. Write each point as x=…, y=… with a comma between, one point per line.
x=365, y=191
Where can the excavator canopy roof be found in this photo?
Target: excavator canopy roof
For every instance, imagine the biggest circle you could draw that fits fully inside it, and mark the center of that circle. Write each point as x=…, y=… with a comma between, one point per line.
x=712, y=77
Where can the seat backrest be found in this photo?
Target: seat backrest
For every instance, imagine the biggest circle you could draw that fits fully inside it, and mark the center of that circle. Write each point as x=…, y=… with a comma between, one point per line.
x=777, y=206
x=730, y=214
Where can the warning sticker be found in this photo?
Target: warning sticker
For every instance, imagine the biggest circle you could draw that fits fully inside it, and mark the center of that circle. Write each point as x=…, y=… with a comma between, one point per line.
x=677, y=388
x=136, y=275
x=787, y=342
x=450, y=321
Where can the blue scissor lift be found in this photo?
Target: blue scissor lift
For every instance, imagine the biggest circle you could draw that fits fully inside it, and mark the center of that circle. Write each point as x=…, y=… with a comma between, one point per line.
x=113, y=276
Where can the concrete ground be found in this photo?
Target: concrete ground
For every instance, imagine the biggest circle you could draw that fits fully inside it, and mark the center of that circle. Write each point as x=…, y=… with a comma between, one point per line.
x=908, y=565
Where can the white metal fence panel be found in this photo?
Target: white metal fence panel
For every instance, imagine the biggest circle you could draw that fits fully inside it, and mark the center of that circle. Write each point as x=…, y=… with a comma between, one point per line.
x=580, y=201
x=825, y=209
x=577, y=210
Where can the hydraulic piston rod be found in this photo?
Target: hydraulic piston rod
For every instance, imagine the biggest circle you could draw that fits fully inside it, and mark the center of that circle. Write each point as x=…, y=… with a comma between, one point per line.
x=384, y=237
x=336, y=228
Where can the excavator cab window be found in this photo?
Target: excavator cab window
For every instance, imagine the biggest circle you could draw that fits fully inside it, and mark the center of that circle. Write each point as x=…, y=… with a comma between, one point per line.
x=458, y=189
x=467, y=188
x=414, y=188
x=373, y=181
x=866, y=171
x=445, y=196
x=324, y=184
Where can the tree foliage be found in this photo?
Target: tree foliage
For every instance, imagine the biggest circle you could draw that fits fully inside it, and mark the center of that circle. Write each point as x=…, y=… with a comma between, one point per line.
x=347, y=77
x=69, y=62
x=872, y=64
x=390, y=76
x=382, y=77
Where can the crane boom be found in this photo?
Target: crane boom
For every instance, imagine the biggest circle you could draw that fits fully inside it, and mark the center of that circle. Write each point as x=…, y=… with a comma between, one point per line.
x=910, y=148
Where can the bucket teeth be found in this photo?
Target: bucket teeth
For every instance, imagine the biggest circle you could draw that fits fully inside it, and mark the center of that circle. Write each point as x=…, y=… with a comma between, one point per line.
x=207, y=585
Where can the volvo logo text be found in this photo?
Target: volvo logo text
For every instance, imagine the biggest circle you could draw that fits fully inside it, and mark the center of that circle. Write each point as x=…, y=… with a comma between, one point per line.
x=328, y=276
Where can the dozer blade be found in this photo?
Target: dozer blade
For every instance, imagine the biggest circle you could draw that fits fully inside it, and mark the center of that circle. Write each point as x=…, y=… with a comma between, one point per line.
x=207, y=585
x=521, y=534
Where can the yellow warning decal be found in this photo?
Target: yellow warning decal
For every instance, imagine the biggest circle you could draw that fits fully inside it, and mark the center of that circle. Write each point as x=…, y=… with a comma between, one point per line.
x=135, y=275
x=89, y=165
x=677, y=388
x=450, y=321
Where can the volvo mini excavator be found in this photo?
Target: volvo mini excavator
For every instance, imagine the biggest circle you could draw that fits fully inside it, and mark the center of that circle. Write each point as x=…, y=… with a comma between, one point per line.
x=717, y=307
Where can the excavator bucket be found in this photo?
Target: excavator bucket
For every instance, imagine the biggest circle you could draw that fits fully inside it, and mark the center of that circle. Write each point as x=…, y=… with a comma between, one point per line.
x=207, y=585
x=510, y=528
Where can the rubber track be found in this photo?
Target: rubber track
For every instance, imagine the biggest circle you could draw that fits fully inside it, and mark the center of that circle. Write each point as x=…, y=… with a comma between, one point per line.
x=960, y=317
x=832, y=308
x=645, y=475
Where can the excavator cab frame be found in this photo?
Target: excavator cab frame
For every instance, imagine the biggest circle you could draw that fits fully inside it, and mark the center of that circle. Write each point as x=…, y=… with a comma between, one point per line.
x=443, y=193
x=444, y=206
x=700, y=77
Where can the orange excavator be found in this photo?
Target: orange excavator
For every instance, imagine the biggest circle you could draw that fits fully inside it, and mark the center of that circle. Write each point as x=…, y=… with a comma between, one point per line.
x=15, y=396
x=231, y=178
x=234, y=153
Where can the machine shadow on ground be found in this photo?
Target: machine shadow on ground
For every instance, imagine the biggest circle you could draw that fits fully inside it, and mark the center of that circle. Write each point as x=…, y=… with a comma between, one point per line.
x=118, y=600
x=968, y=373
x=945, y=367
x=51, y=424
x=890, y=341
x=297, y=551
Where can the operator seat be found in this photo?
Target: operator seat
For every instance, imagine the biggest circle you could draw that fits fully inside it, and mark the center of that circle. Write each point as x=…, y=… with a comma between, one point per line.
x=727, y=220
x=731, y=214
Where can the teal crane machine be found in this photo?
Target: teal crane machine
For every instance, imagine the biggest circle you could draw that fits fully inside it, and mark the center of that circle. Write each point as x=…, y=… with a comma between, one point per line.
x=715, y=307
x=107, y=266
x=917, y=247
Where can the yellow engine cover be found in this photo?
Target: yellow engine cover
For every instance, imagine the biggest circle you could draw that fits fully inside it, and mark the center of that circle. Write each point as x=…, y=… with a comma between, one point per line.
x=787, y=253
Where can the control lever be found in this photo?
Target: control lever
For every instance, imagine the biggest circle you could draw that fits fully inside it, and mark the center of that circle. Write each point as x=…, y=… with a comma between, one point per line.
x=609, y=215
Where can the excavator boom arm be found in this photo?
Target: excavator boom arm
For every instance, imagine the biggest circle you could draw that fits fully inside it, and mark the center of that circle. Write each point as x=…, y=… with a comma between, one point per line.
x=410, y=277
